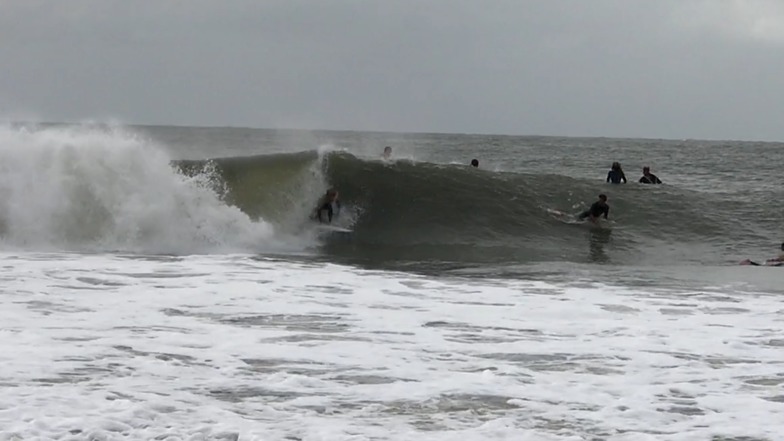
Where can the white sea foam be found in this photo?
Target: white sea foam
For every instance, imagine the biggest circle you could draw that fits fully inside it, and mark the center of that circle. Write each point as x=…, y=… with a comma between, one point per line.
x=229, y=347
x=90, y=188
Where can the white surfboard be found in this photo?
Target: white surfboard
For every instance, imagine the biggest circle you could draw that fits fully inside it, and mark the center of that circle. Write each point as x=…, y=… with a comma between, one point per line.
x=332, y=229
x=564, y=217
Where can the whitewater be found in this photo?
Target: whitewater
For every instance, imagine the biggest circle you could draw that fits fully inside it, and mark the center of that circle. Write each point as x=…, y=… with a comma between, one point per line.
x=141, y=301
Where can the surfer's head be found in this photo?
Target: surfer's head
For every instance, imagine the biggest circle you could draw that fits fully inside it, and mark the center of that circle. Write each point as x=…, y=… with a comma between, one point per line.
x=474, y=163
x=646, y=170
x=387, y=151
x=603, y=197
x=616, y=165
x=332, y=194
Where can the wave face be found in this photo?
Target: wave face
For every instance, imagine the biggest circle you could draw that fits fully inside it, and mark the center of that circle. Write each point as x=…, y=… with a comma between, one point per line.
x=422, y=212
x=110, y=189
x=104, y=188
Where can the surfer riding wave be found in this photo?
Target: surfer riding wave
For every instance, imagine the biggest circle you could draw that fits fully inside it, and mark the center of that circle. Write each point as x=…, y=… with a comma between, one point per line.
x=328, y=207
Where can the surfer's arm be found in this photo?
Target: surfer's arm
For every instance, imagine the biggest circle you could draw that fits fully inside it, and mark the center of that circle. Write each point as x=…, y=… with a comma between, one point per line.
x=606, y=212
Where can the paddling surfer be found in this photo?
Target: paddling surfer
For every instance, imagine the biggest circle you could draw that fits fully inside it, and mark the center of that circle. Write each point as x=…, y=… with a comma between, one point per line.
x=776, y=261
x=598, y=209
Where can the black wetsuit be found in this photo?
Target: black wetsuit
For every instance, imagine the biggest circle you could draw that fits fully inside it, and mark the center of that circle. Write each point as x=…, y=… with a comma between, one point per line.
x=650, y=179
x=615, y=176
x=332, y=210
x=597, y=209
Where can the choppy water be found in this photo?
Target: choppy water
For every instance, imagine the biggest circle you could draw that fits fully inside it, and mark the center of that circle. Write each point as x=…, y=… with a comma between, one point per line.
x=139, y=303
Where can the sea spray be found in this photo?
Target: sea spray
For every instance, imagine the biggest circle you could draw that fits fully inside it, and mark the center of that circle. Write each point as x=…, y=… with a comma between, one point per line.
x=105, y=188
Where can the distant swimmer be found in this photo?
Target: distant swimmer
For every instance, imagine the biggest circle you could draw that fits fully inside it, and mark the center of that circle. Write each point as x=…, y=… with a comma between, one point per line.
x=475, y=163
x=648, y=177
x=616, y=174
x=776, y=261
x=329, y=205
x=387, y=152
x=598, y=209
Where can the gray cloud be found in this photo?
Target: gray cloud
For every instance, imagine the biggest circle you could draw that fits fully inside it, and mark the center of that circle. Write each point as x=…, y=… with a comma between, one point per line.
x=670, y=68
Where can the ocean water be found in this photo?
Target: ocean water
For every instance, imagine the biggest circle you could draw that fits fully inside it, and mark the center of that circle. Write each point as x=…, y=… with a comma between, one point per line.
x=165, y=283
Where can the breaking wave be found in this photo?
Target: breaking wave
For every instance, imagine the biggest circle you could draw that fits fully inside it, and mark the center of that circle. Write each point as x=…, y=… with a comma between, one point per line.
x=109, y=189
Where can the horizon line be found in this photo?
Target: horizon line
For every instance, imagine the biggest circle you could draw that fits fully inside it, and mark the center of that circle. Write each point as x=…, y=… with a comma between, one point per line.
x=396, y=132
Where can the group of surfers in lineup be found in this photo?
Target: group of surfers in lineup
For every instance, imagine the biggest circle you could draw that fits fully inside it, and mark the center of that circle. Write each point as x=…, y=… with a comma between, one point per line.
x=615, y=176
x=329, y=205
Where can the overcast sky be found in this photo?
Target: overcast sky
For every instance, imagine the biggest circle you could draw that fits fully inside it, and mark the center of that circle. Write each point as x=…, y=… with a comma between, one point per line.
x=709, y=69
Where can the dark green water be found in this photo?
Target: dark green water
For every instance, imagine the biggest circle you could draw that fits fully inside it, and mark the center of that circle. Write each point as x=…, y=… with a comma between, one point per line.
x=720, y=201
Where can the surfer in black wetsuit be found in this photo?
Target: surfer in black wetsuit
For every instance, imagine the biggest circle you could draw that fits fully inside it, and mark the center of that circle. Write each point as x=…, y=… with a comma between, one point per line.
x=616, y=175
x=648, y=177
x=776, y=261
x=328, y=204
x=598, y=209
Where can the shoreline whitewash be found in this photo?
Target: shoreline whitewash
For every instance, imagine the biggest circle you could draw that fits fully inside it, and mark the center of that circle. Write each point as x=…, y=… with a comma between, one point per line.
x=239, y=347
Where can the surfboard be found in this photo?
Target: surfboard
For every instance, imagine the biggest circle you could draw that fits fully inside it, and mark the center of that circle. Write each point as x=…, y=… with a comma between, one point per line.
x=565, y=217
x=556, y=213
x=333, y=229
x=571, y=219
x=771, y=263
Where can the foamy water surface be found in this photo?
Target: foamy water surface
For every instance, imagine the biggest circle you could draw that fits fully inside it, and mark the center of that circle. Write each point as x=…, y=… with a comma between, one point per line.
x=109, y=347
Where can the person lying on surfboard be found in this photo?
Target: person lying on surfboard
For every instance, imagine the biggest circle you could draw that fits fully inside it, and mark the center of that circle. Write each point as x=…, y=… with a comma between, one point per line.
x=329, y=205
x=598, y=209
x=776, y=261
